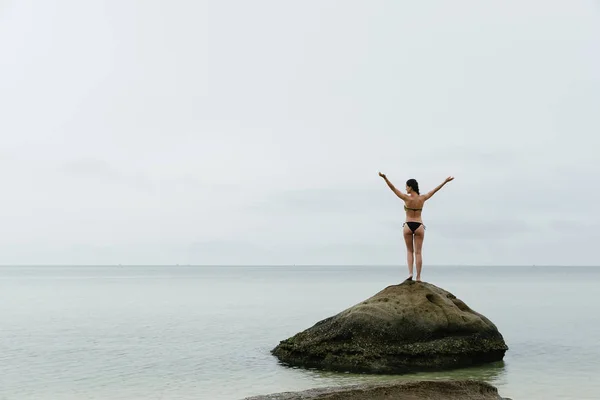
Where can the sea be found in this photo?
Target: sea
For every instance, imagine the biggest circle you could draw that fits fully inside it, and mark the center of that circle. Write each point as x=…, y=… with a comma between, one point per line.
x=205, y=332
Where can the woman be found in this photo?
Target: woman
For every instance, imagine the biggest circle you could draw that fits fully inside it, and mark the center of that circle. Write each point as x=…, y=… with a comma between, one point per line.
x=414, y=230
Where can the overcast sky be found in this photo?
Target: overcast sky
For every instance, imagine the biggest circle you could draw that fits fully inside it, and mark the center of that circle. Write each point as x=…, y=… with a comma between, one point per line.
x=251, y=132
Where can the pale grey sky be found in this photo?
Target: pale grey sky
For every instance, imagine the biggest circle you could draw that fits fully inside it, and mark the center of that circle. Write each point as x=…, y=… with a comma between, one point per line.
x=251, y=132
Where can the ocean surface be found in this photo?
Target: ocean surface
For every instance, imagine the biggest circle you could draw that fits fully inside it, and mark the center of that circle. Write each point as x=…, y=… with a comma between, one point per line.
x=183, y=333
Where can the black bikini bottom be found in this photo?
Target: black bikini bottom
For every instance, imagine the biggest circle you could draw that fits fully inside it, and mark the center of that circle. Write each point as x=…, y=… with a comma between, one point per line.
x=413, y=225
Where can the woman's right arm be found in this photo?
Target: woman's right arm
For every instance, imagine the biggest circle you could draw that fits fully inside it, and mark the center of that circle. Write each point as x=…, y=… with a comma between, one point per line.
x=438, y=187
x=396, y=191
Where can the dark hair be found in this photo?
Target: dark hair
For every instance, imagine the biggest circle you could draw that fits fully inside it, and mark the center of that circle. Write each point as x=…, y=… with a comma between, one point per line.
x=413, y=184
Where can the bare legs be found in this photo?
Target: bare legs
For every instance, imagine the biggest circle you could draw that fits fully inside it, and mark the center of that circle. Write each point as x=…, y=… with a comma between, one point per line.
x=408, y=239
x=419, y=236
x=414, y=245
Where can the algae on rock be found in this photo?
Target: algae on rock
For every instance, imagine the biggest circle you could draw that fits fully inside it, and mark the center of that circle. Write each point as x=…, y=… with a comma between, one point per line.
x=404, y=328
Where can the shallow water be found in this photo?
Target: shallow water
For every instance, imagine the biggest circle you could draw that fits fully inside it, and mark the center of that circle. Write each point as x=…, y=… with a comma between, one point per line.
x=184, y=333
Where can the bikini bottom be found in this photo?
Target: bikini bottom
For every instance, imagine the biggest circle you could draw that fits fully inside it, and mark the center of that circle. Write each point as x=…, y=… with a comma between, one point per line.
x=413, y=225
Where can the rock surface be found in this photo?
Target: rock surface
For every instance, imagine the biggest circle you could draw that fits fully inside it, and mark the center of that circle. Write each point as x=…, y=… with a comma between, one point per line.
x=404, y=328
x=418, y=390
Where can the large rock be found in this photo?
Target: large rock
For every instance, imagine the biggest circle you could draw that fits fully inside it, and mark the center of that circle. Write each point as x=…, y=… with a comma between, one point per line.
x=404, y=328
x=417, y=390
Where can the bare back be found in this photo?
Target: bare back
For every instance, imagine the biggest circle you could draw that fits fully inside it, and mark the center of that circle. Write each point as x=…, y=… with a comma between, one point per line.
x=413, y=206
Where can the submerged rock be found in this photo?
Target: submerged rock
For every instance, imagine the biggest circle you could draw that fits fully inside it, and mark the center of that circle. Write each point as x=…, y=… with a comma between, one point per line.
x=417, y=390
x=404, y=328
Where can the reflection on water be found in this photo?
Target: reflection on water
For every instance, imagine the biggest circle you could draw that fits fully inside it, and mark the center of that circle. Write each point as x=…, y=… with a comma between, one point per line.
x=489, y=372
x=493, y=373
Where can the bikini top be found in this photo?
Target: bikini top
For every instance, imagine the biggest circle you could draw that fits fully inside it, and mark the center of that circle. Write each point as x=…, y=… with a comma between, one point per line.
x=411, y=209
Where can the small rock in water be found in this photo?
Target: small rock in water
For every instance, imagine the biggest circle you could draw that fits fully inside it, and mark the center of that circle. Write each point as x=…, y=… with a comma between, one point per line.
x=416, y=390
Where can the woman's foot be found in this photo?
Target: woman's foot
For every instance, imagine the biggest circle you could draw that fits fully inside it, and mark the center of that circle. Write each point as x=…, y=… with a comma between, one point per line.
x=418, y=279
x=409, y=278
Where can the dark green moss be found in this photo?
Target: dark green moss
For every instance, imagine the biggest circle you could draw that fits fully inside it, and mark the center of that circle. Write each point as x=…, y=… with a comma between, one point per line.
x=372, y=344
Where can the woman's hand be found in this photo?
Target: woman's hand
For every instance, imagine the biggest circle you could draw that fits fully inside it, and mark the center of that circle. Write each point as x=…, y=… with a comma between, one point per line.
x=382, y=175
x=448, y=179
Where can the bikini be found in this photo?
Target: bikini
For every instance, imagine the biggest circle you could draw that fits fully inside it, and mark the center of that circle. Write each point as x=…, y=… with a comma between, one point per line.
x=412, y=224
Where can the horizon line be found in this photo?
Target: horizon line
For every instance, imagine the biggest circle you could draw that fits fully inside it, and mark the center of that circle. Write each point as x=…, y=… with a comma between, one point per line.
x=293, y=265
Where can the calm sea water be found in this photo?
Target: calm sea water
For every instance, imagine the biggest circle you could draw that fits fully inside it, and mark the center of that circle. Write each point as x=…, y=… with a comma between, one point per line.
x=183, y=333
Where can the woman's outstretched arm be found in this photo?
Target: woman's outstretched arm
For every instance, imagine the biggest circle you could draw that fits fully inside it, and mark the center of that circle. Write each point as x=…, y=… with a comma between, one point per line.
x=396, y=191
x=438, y=187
